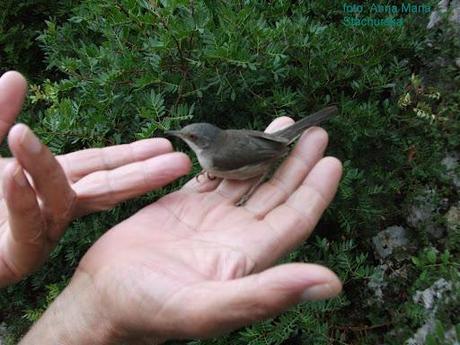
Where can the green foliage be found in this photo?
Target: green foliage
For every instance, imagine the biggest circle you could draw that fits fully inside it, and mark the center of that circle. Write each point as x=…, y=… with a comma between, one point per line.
x=117, y=71
x=20, y=24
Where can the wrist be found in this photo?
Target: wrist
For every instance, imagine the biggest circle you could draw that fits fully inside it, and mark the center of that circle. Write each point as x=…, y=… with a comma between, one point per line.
x=75, y=317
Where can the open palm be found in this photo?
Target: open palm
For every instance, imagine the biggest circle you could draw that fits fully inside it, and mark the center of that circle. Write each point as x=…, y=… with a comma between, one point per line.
x=193, y=265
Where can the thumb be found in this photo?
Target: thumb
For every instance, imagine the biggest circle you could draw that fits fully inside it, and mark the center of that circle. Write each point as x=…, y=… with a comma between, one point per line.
x=235, y=303
x=13, y=88
x=22, y=248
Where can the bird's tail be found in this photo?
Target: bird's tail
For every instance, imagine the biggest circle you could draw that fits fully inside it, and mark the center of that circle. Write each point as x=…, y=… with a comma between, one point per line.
x=294, y=131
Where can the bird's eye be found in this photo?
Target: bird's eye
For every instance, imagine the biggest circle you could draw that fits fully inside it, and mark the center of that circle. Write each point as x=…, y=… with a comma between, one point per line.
x=192, y=136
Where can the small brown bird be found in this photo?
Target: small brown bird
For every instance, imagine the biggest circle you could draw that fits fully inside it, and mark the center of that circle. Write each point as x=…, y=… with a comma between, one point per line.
x=241, y=154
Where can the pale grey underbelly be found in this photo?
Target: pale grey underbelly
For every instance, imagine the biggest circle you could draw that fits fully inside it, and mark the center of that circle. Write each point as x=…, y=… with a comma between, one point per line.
x=243, y=173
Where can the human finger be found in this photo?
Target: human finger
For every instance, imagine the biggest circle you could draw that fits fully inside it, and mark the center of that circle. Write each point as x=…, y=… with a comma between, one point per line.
x=13, y=88
x=104, y=189
x=25, y=241
x=48, y=178
x=220, y=306
x=81, y=163
x=289, y=224
x=290, y=174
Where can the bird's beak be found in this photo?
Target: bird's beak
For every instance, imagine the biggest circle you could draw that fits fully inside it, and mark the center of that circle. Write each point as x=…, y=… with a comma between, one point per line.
x=174, y=134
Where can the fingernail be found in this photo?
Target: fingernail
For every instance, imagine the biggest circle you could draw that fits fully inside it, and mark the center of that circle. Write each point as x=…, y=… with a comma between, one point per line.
x=317, y=292
x=31, y=142
x=19, y=177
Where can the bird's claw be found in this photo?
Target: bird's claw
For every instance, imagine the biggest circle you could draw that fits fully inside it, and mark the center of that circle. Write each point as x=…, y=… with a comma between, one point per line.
x=197, y=177
x=208, y=176
x=242, y=200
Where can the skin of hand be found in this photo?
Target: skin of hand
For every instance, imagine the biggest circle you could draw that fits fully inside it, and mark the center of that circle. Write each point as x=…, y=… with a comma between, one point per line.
x=40, y=194
x=192, y=265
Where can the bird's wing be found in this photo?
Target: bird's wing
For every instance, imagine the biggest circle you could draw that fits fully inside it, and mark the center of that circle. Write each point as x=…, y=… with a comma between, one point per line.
x=253, y=148
x=268, y=136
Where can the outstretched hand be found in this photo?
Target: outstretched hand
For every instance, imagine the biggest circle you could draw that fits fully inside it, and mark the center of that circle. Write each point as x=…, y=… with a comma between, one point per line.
x=40, y=194
x=192, y=265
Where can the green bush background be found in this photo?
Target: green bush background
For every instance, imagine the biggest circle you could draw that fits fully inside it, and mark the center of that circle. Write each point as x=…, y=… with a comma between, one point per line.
x=106, y=72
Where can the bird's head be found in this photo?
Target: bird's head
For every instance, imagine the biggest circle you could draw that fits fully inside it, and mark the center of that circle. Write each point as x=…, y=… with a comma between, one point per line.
x=198, y=136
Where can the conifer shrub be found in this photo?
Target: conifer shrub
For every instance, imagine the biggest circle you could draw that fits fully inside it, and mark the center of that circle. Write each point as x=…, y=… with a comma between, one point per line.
x=20, y=24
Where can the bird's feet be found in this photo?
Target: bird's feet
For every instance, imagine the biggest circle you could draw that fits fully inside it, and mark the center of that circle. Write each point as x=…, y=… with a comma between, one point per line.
x=208, y=176
x=253, y=188
x=242, y=200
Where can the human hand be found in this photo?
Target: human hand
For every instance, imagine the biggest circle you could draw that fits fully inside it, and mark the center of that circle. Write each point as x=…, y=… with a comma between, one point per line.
x=41, y=193
x=193, y=265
